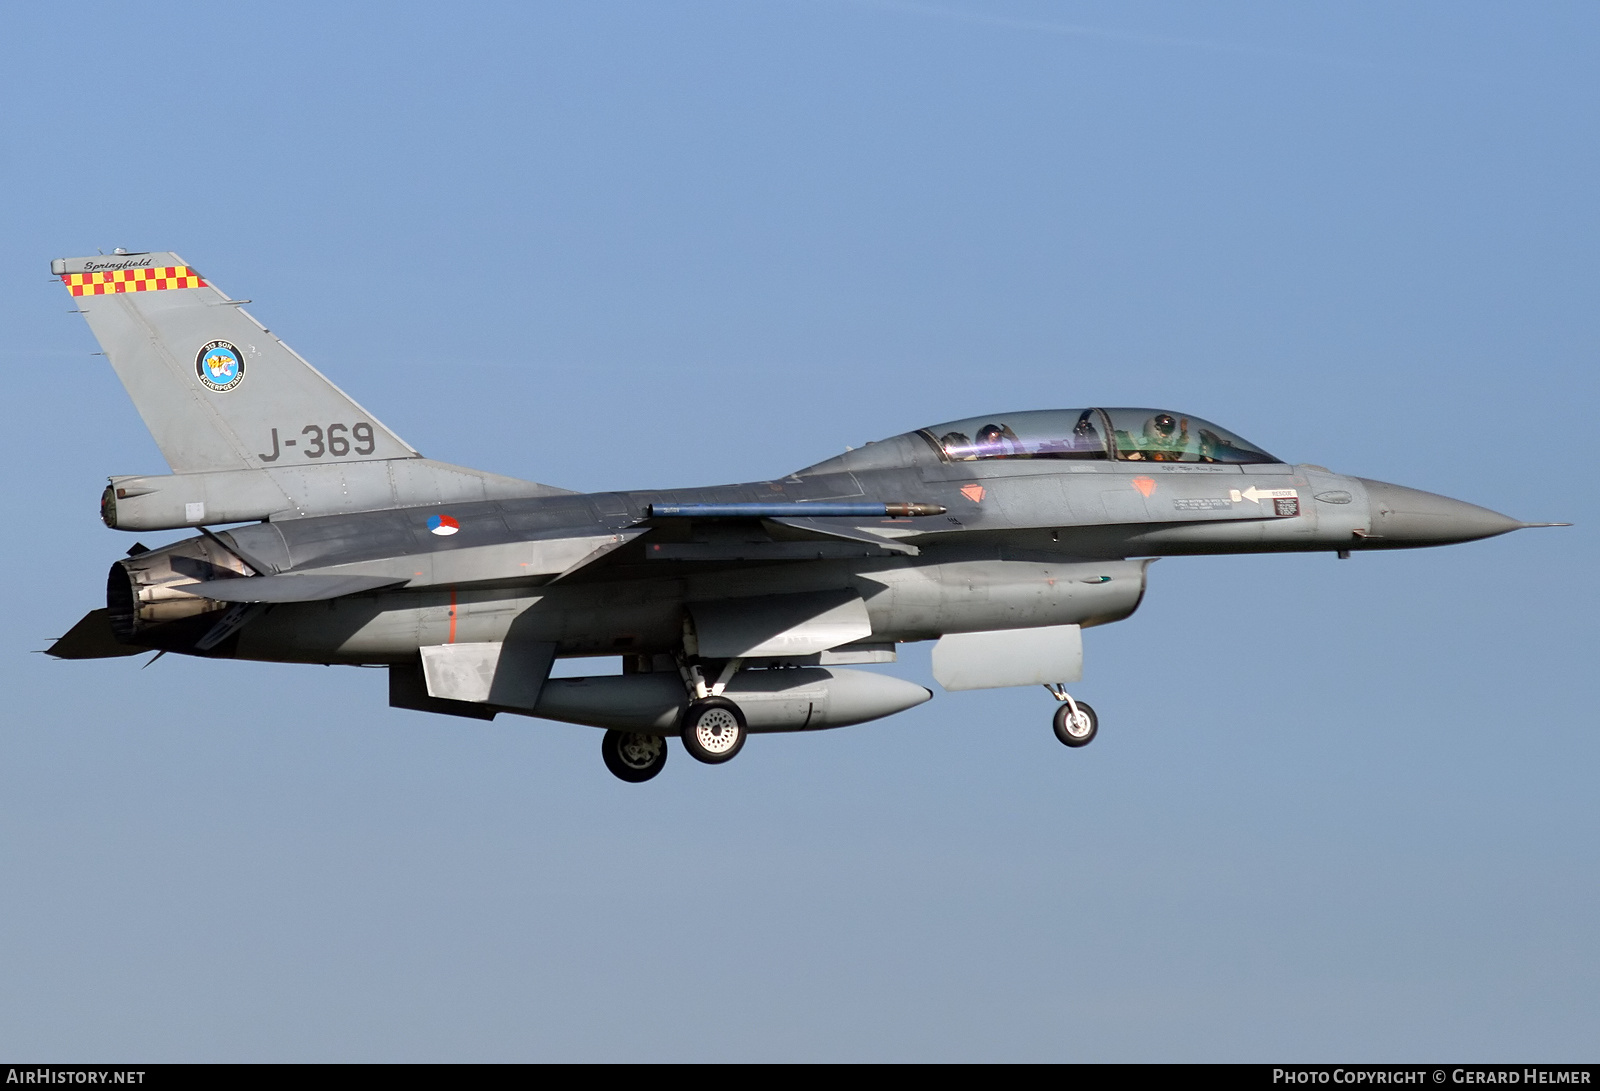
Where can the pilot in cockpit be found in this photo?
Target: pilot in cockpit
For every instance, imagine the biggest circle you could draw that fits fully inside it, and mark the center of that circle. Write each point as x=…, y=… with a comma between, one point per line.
x=998, y=441
x=1165, y=438
x=957, y=447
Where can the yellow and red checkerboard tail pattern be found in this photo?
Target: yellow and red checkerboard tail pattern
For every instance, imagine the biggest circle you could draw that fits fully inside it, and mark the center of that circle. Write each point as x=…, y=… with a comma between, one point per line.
x=132, y=280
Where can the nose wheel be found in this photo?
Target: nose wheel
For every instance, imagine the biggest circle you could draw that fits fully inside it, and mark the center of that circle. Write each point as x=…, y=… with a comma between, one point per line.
x=713, y=730
x=1075, y=722
x=633, y=757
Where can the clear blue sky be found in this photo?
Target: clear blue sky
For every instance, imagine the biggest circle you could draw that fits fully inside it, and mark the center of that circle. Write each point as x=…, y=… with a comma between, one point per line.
x=1336, y=809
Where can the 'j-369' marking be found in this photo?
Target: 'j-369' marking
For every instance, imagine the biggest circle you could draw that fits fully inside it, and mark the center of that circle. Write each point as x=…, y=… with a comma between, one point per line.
x=333, y=440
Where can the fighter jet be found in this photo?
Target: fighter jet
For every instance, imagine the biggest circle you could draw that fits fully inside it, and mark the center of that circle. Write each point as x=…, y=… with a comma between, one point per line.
x=735, y=609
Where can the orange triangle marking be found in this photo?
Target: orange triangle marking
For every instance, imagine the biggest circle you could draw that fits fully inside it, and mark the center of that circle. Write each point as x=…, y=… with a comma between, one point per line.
x=1146, y=485
x=973, y=493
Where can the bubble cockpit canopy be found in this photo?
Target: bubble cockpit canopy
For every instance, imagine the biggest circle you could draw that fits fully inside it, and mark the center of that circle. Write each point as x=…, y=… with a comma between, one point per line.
x=1131, y=435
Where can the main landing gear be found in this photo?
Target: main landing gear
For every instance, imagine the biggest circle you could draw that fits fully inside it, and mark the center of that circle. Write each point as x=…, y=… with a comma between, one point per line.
x=632, y=756
x=712, y=728
x=1075, y=722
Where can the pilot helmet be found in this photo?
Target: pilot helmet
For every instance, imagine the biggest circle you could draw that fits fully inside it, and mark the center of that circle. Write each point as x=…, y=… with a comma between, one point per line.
x=1162, y=428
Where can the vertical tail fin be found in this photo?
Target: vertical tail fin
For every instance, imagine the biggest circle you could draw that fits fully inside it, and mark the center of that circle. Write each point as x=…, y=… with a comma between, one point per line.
x=217, y=390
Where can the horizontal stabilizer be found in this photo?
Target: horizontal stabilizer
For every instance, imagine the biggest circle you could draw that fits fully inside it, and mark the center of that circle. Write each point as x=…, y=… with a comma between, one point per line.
x=287, y=587
x=92, y=638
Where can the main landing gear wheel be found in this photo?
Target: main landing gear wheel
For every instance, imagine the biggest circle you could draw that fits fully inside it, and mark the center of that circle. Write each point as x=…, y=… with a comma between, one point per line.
x=1075, y=730
x=713, y=730
x=633, y=757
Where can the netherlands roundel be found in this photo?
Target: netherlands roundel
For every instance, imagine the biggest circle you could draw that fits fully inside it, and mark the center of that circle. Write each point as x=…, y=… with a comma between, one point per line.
x=220, y=366
x=443, y=525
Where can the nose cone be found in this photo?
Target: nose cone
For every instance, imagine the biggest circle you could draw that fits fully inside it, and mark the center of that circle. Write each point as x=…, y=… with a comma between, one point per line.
x=1410, y=517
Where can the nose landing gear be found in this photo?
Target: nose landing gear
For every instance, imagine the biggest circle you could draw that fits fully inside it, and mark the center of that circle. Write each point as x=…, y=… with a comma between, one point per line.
x=1075, y=722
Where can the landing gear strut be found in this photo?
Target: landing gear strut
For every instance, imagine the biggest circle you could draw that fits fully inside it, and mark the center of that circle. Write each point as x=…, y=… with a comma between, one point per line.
x=1075, y=722
x=633, y=757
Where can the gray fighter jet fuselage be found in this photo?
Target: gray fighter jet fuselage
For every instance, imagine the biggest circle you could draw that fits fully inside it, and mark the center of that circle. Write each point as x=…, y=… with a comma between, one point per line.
x=735, y=609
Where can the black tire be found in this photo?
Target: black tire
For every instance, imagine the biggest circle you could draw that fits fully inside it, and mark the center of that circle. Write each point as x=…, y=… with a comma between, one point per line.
x=713, y=730
x=632, y=756
x=1075, y=735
